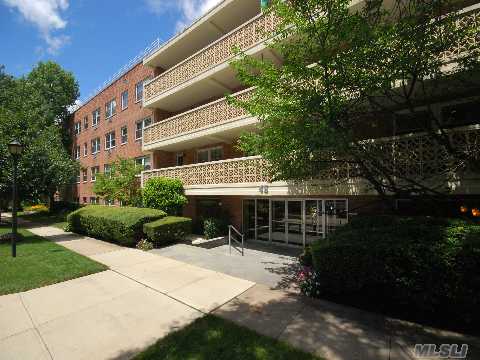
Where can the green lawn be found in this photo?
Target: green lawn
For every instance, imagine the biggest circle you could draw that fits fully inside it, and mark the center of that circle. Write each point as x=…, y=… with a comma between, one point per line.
x=214, y=338
x=44, y=218
x=39, y=262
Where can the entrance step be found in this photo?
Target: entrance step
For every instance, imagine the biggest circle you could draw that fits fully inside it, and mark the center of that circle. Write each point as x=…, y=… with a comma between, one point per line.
x=200, y=241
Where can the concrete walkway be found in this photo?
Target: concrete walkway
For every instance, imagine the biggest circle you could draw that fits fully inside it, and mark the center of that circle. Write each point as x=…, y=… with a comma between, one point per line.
x=272, y=266
x=144, y=296
x=113, y=314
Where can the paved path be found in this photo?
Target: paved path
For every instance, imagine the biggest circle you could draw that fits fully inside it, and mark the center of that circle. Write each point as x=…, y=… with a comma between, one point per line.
x=144, y=296
x=113, y=314
x=260, y=264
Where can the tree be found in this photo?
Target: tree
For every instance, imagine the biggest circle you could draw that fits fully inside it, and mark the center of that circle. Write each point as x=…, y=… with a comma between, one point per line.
x=120, y=182
x=34, y=111
x=348, y=73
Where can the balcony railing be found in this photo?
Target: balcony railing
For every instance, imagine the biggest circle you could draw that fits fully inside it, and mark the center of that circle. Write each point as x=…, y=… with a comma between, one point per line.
x=244, y=37
x=216, y=112
x=417, y=156
x=233, y=171
x=471, y=15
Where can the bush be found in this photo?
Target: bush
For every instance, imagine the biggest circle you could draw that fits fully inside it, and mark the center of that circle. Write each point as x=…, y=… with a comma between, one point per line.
x=164, y=194
x=168, y=230
x=214, y=227
x=306, y=257
x=422, y=268
x=36, y=208
x=123, y=225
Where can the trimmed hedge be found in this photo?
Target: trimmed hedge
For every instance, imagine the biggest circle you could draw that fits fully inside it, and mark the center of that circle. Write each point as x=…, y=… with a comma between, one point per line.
x=423, y=268
x=123, y=225
x=168, y=230
x=164, y=194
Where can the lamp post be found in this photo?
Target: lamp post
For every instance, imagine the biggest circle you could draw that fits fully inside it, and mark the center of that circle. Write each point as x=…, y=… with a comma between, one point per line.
x=15, y=149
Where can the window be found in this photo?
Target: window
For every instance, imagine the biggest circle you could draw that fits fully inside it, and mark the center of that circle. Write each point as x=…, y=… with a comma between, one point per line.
x=109, y=202
x=141, y=125
x=124, y=135
x=93, y=200
x=143, y=161
x=124, y=99
x=96, y=117
x=77, y=128
x=85, y=122
x=110, y=108
x=107, y=168
x=84, y=199
x=139, y=91
x=110, y=140
x=76, y=152
x=85, y=175
x=179, y=159
x=95, y=171
x=85, y=149
x=212, y=154
x=78, y=178
x=95, y=145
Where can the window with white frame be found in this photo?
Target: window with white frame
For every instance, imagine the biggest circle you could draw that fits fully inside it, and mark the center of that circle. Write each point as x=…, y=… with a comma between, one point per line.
x=110, y=140
x=93, y=200
x=144, y=162
x=124, y=99
x=140, y=126
x=212, y=154
x=85, y=175
x=109, y=202
x=179, y=159
x=77, y=128
x=110, y=108
x=95, y=146
x=95, y=170
x=139, y=91
x=107, y=168
x=85, y=122
x=124, y=135
x=76, y=152
x=95, y=117
x=85, y=149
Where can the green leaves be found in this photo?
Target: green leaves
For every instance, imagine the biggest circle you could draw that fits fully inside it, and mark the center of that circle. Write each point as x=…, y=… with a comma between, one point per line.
x=164, y=194
x=121, y=183
x=346, y=75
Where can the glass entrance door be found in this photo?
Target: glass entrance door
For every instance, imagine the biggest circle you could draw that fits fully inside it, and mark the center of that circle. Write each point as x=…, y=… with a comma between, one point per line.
x=313, y=220
x=279, y=221
x=294, y=222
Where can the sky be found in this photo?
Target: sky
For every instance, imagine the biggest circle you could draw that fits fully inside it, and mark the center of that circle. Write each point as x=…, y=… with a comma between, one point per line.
x=91, y=38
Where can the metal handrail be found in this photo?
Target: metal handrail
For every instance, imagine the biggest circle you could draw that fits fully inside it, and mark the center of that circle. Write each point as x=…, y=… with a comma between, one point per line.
x=230, y=238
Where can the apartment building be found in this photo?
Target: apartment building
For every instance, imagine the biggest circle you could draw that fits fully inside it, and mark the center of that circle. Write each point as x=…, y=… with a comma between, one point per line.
x=195, y=138
x=108, y=126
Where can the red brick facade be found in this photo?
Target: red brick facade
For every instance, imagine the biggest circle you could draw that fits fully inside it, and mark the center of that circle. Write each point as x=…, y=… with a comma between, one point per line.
x=127, y=117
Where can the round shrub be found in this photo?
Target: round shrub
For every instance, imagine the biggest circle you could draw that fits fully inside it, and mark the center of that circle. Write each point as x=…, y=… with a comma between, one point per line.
x=428, y=269
x=164, y=194
x=168, y=230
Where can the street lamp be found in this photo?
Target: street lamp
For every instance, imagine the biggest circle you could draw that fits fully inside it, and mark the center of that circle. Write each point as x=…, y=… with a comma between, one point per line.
x=15, y=149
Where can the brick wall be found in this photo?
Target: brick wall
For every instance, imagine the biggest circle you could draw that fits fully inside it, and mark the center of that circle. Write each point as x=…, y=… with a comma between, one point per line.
x=127, y=117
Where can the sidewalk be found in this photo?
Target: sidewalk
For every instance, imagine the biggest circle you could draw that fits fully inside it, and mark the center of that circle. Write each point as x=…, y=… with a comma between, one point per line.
x=116, y=313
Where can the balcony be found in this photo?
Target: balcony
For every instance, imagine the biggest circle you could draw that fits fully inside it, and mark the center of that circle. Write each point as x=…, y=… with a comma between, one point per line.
x=209, y=123
x=210, y=63
x=415, y=156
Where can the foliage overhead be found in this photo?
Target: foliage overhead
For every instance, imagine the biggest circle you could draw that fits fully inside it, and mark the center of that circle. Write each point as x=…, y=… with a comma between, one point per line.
x=350, y=73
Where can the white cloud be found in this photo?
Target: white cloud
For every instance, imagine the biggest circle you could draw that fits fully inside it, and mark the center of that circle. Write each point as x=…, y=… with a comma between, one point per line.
x=190, y=10
x=46, y=16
